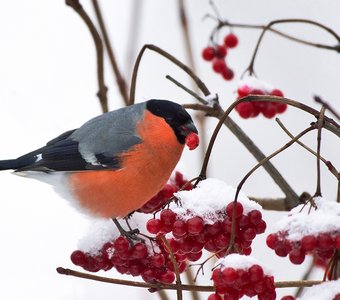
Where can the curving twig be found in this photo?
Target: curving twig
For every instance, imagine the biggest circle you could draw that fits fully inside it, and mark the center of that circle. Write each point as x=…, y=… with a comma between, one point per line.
x=250, y=68
x=119, y=77
x=75, y=4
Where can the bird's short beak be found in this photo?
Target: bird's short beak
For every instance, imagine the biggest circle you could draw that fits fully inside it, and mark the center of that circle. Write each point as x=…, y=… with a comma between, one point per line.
x=188, y=128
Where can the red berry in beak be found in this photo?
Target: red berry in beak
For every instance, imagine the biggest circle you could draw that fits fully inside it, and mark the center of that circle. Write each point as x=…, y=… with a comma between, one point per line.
x=192, y=140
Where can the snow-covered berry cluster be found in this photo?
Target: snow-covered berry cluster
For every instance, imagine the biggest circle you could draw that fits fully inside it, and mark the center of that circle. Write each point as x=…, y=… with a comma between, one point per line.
x=149, y=260
x=204, y=220
x=253, y=86
x=217, y=55
x=303, y=232
x=157, y=201
x=235, y=276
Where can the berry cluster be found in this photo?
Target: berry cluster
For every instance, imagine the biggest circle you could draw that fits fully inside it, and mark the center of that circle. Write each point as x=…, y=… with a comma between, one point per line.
x=217, y=55
x=322, y=246
x=233, y=283
x=191, y=235
x=158, y=201
x=253, y=109
x=136, y=260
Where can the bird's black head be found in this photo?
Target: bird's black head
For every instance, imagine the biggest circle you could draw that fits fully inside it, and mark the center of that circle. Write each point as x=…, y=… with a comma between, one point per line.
x=175, y=115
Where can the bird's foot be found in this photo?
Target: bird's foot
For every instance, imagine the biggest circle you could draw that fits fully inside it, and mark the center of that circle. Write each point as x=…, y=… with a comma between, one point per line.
x=131, y=235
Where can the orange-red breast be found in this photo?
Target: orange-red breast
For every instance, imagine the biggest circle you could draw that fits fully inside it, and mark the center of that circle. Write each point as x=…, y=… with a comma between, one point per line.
x=115, y=162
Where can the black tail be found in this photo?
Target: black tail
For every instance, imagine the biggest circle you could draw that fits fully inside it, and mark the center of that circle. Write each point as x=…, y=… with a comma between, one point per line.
x=8, y=164
x=20, y=162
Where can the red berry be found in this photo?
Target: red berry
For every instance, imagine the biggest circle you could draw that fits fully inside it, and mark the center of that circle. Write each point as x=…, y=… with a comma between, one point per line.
x=283, y=248
x=179, y=228
x=269, y=111
x=243, y=91
x=272, y=240
x=78, y=258
x=257, y=92
x=219, y=65
x=229, y=275
x=281, y=107
x=337, y=242
x=308, y=243
x=337, y=297
x=220, y=51
x=121, y=244
x=139, y=251
x=192, y=140
x=157, y=260
x=245, y=109
x=255, y=273
x=297, y=256
x=249, y=234
x=168, y=217
x=214, y=297
x=261, y=227
x=228, y=74
x=195, y=225
x=239, y=209
x=276, y=92
x=194, y=256
x=154, y=226
x=231, y=40
x=167, y=277
x=208, y=53
x=325, y=241
x=255, y=217
x=246, y=251
x=289, y=298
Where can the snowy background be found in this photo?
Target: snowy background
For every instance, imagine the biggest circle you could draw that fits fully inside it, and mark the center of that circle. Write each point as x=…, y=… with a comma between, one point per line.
x=48, y=85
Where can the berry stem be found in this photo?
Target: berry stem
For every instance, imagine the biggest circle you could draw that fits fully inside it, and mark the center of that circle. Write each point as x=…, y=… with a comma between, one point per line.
x=174, y=262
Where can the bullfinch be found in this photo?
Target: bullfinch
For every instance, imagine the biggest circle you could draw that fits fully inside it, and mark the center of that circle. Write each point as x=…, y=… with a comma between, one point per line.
x=114, y=163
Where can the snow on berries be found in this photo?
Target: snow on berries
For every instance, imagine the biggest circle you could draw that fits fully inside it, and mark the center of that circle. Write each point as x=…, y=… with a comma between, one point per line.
x=308, y=230
x=254, y=86
x=217, y=55
x=202, y=219
x=237, y=275
x=148, y=259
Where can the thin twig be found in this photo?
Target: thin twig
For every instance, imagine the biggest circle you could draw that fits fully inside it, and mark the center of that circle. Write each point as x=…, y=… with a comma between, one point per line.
x=185, y=287
x=175, y=265
x=275, y=31
x=75, y=4
x=305, y=277
x=170, y=57
x=133, y=35
x=119, y=78
x=318, y=169
x=244, y=179
x=250, y=68
x=328, y=164
x=318, y=99
x=195, y=95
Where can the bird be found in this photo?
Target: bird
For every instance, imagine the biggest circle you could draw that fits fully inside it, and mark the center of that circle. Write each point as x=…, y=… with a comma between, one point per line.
x=114, y=163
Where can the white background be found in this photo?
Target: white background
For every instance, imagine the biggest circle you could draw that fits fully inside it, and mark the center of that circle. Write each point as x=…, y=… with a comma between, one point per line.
x=48, y=85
